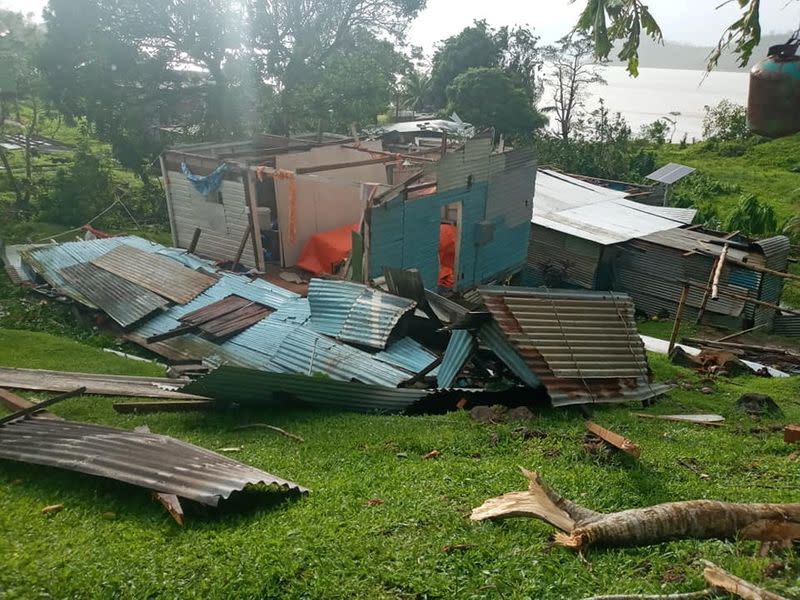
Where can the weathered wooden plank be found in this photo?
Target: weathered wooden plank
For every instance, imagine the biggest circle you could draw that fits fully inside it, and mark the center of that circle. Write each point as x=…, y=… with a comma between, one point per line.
x=615, y=439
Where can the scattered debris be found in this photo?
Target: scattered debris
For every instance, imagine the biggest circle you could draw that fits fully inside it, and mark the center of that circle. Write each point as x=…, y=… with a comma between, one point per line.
x=103, y=385
x=432, y=454
x=691, y=464
x=172, y=505
x=721, y=579
x=283, y=432
x=17, y=403
x=529, y=434
x=32, y=409
x=614, y=439
x=759, y=404
x=231, y=449
x=166, y=406
x=699, y=519
x=500, y=414
x=707, y=390
x=52, y=509
x=794, y=455
x=791, y=434
x=136, y=457
x=374, y=502
x=707, y=593
x=709, y=420
x=460, y=547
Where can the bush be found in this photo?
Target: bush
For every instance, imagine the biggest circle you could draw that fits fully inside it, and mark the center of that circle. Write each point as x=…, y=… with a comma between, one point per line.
x=726, y=121
x=752, y=217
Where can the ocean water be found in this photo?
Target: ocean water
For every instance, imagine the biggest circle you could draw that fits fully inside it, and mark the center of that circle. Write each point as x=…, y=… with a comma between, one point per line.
x=657, y=92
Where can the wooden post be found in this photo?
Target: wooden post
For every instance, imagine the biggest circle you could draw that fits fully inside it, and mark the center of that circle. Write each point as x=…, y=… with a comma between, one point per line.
x=706, y=295
x=195, y=238
x=678, y=318
x=718, y=273
x=240, y=251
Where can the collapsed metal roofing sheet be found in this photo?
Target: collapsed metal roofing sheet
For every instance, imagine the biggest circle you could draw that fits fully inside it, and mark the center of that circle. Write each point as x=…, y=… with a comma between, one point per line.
x=50, y=260
x=670, y=173
x=158, y=274
x=598, y=214
x=152, y=461
x=227, y=316
x=248, y=386
x=123, y=301
x=408, y=354
x=689, y=240
x=788, y=325
x=493, y=337
x=578, y=334
x=461, y=346
x=17, y=270
x=352, y=312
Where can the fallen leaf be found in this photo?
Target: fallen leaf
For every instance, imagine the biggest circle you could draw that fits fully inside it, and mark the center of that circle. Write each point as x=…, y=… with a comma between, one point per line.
x=451, y=547
x=432, y=454
x=52, y=509
x=794, y=455
x=374, y=502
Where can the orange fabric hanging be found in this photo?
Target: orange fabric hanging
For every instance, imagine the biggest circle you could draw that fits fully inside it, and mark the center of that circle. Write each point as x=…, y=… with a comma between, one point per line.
x=447, y=255
x=291, y=178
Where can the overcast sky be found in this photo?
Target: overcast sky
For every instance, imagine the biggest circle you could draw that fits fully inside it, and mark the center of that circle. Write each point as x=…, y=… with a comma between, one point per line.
x=693, y=21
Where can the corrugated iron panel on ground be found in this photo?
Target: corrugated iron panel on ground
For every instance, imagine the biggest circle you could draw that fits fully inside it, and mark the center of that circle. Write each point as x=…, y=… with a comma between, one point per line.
x=643, y=391
x=579, y=334
x=154, y=462
x=788, y=325
x=123, y=301
x=49, y=261
x=158, y=274
x=461, y=346
x=408, y=354
x=257, y=387
x=308, y=352
x=366, y=318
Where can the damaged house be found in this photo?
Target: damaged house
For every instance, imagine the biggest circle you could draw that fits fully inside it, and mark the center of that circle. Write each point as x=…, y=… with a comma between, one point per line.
x=591, y=237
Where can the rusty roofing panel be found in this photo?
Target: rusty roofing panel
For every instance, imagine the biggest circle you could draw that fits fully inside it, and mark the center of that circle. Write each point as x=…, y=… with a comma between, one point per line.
x=156, y=273
x=577, y=334
x=152, y=461
x=227, y=316
x=124, y=301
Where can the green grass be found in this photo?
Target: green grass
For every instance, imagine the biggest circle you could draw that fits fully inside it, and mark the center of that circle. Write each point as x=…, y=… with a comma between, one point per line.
x=111, y=540
x=770, y=170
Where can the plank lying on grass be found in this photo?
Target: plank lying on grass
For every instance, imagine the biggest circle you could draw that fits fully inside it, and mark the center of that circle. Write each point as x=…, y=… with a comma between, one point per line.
x=615, y=439
x=103, y=385
x=166, y=406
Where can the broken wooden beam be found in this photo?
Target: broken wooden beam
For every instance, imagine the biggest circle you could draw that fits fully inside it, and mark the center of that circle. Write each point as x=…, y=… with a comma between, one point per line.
x=749, y=347
x=721, y=579
x=39, y=406
x=706, y=420
x=15, y=403
x=791, y=434
x=165, y=406
x=582, y=527
x=172, y=504
x=614, y=439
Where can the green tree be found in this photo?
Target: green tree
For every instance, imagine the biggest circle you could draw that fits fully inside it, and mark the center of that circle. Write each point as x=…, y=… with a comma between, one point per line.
x=490, y=97
x=752, y=217
x=727, y=121
x=624, y=21
x=415, y=90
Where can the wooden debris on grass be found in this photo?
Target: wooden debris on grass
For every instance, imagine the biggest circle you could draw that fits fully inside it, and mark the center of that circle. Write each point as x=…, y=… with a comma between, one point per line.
x=231, y=449
x=614, y=439
x=283, y=432
x=699, y=519
x=707, y=593
x=431, y=454
x=172, y=504
x=791, y=434
x=52, y=509
x=16, y=403
x=721, y=579
x=709, y=420
x=166, y=406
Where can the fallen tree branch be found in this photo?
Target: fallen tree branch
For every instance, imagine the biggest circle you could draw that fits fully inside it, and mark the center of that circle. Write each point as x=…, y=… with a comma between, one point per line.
x=707, y=593
x=698, y=519
x=723, y=580
x=273, y=428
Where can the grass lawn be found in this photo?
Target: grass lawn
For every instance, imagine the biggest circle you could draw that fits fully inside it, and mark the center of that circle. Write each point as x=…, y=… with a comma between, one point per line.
x=111, y=540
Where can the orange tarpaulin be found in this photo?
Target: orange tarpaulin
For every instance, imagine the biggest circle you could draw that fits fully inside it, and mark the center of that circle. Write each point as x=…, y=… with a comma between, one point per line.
x=447, y=255
x=326, y=250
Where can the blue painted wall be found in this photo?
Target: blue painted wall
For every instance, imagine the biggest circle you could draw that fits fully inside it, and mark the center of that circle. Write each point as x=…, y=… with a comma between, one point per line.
x=405, y=234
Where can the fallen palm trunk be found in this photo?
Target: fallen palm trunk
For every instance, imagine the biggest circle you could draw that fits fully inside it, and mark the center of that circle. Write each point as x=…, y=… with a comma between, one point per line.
x=701, y=519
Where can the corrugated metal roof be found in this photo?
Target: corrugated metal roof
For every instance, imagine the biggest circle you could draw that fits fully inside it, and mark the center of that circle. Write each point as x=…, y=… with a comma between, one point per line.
x=156, y=273
x=247, y=386
x=788, y=325
x=227, y=316
x=596, y=213
x=122, y=300
x=155, y=462
x=461, y=346
x=355, y=313
x=18, y=272
x=776, y=251
x=670, y=173
x=49, y=261
x=579, y=334
x=689, y=240
x=492, y=336
x=408, y=354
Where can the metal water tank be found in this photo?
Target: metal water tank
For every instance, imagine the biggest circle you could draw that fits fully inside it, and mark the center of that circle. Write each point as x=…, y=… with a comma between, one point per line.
x=773, y=105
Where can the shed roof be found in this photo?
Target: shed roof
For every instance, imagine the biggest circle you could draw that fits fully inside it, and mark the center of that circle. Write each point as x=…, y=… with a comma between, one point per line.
x=598, y=214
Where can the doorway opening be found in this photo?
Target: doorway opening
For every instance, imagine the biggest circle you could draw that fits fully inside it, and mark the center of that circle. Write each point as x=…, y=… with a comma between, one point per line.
x=449, y=245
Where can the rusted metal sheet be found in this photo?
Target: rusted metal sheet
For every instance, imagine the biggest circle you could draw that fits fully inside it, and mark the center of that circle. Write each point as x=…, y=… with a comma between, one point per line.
x=155, y=462
x=102, y=385
x=227, y=316
x=122, y=300
x=161, y=275
x=351, y=312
